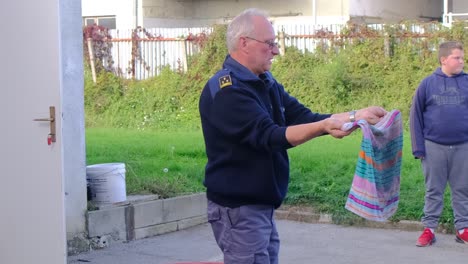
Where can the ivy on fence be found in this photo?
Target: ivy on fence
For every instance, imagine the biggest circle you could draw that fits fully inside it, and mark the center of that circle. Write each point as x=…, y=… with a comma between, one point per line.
x=97, y=47
x=321, y=40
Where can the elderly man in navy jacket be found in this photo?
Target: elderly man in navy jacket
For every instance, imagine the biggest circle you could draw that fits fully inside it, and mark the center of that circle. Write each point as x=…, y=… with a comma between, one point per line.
x=249, y=121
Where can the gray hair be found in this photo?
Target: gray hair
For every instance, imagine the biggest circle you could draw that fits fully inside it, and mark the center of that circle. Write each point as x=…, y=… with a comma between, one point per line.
x=445, y=49
x=242, y=25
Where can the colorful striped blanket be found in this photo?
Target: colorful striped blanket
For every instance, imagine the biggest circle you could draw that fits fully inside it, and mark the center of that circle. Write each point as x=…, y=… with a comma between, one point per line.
x=375, y=190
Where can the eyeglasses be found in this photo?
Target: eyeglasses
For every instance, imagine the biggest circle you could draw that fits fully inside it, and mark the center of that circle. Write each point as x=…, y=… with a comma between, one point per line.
x=271, y=44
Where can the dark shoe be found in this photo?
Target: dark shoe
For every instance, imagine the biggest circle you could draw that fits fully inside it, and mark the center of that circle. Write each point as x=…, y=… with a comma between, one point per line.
x=427, y=238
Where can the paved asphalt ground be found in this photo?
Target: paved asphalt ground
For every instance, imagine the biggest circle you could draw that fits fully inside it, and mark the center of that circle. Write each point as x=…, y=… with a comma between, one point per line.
x=303, y=243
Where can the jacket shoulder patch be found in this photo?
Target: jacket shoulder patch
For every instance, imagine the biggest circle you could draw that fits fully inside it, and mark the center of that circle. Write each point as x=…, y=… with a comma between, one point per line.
x=225, y=81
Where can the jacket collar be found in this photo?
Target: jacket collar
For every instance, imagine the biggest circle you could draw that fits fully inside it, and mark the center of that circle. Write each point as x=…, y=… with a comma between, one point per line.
x=244, y=74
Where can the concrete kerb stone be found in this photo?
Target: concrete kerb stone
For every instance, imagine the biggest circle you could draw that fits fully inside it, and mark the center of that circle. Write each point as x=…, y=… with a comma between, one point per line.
x=309, y=217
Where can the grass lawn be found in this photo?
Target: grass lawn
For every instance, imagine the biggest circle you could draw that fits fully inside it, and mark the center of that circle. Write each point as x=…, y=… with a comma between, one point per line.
x=172, y=163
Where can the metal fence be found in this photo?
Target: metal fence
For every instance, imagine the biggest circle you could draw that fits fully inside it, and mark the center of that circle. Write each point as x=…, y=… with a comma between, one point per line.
x=143, y=53
x=304, y=37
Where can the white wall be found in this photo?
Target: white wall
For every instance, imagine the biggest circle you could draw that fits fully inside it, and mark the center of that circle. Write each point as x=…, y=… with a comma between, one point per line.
x=166, y=13
x=203, y=9
x=73, y=127
x=459, y=9
x=377, y=11
x=460, y=6
x=199, y=13
x=123, y=10
x=326, y=12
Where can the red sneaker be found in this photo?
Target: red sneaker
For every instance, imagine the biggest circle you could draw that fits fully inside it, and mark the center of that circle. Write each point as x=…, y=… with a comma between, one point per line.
x=463, y=238
x=427, y=238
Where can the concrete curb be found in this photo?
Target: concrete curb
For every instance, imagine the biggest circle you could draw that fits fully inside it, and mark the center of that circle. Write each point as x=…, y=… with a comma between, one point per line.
x=315, y=218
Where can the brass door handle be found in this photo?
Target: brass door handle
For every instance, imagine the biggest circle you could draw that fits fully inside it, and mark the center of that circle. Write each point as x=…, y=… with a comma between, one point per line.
x=51, y=137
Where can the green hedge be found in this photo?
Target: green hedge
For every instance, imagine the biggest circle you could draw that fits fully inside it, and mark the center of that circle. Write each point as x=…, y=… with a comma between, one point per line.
x=355, y=70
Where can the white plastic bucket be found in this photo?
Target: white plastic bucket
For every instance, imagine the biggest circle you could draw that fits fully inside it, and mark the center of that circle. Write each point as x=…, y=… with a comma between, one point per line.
x=107, y=183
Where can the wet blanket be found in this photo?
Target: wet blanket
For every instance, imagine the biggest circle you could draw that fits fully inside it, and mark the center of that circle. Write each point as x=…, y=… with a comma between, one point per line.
x=375, y=189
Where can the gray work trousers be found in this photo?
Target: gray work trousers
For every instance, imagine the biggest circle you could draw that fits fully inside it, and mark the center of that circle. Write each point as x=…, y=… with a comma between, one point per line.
x=442, y=164
x=246, y=234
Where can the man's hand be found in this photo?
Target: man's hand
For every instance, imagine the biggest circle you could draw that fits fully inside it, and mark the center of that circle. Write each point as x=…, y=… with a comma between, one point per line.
x=371, y=114
x=333, y=126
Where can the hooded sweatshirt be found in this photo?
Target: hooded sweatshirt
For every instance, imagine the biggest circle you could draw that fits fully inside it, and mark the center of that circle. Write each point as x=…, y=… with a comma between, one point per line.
x=439, y=112
x=244, y=119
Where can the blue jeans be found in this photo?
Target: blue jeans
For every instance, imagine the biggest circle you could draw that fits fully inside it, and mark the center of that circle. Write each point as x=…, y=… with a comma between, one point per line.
x=246, y=234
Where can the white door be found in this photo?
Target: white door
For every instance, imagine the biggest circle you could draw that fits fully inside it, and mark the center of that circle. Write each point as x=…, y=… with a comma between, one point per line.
x=32, y=225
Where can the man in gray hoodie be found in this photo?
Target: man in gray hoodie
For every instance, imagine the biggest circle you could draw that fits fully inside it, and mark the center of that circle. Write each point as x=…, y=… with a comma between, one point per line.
x=439, y=137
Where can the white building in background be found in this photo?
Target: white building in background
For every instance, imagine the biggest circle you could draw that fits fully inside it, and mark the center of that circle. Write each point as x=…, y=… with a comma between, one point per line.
x=455, y=10
x=125, y=14
x=113, y=14
x=372, y=11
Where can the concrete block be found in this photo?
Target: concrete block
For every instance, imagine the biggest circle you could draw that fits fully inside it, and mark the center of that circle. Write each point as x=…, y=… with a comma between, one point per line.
x=107, y=222
x=184, y=207
x=146, y=217
x=148, y=213
x=77, y=244
x=189, y=222
x=155, y=230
